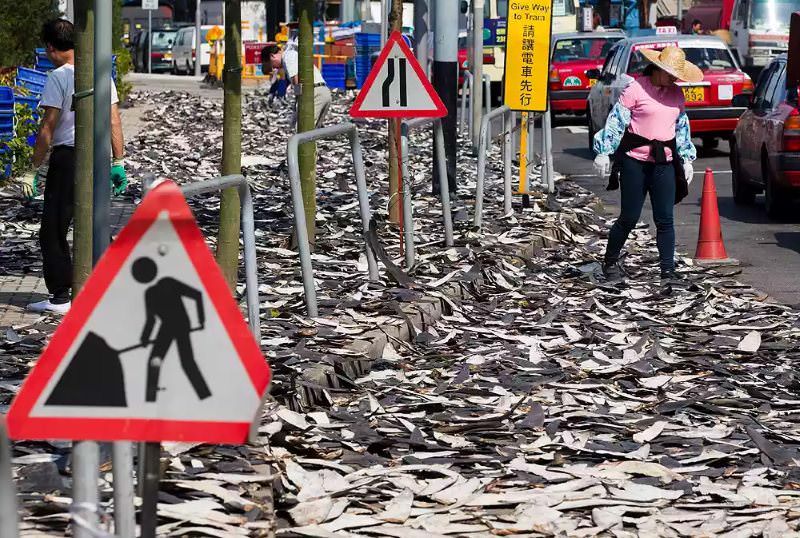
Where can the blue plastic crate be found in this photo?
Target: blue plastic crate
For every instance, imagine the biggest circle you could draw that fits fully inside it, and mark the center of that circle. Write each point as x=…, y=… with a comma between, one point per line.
x=31, y=75
x=363, y=38
x=6, y=97
x=5, y=169
x=7, y=125
x=31, y=101
x=30, y=86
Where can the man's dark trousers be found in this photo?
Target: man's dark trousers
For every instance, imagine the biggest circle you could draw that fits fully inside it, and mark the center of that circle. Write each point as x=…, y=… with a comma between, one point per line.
x=57, y=215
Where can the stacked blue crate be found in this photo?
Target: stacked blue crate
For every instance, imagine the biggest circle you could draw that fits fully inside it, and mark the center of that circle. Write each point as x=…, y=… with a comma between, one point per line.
x=366, y=46
x=43, y=64
x=31, y=79
x=334, y=75
x=6, y=113
x=5, y=164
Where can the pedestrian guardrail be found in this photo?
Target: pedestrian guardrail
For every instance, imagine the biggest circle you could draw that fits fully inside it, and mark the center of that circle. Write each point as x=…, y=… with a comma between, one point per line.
x=248, y=235
x=303, y=248
x=441, y=164
x=465, y=118
x=483, y=148
x=8, y=492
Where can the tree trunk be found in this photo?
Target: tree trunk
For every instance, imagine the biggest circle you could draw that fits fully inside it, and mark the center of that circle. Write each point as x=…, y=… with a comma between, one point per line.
x=229, y=213
x=307, y=153
x=395, y=201
x=84, y=114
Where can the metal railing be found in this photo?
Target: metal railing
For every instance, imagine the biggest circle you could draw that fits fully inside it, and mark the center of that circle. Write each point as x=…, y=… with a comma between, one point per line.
x=483, y=148
x=441, y=164
x=303, y=248
x=191, y=190
x=465, y=118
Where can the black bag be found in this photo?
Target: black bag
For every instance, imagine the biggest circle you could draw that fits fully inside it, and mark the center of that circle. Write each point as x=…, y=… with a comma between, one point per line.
x=631, y=141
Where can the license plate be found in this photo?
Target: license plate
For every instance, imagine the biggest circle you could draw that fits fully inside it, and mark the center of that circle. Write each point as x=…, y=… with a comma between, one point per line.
x=694, y=94
x=592, y=82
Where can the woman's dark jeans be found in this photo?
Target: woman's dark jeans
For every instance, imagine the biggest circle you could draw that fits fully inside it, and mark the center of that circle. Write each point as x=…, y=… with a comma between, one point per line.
x=637, y=180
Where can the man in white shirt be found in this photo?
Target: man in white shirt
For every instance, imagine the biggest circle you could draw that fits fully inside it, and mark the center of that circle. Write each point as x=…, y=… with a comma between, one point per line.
x=57, y=131
x=272, y=57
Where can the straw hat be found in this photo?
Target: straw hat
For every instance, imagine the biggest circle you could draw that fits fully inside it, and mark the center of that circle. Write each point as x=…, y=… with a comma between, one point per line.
x=673, y=60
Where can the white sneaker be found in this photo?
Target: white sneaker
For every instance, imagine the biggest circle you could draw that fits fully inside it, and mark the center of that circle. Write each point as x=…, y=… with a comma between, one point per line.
x=47, y=306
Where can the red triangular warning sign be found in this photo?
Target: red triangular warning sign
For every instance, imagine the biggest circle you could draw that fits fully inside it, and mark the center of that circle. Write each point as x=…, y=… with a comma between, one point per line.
x=397, y=87
x=154, y=347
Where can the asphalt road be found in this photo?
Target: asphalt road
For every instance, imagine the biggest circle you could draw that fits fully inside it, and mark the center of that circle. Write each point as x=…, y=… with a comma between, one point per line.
x=769, y=251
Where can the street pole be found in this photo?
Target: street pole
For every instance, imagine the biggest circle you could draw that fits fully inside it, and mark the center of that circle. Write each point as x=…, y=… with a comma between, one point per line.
x=122, y=452
x=384, y=22
x=287, y=7
x=85, y=454
x=476, y=91
x=307, y=152
x=680, y=13
x=198, y=63
x=445, y=82
x=230, y=208
x=348, y=10
x=395, y=19
x=149, y=41
x=421, y=34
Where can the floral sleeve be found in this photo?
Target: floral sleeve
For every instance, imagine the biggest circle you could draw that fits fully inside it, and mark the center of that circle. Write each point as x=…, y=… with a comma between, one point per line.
x=607, y=140
x=683, y=139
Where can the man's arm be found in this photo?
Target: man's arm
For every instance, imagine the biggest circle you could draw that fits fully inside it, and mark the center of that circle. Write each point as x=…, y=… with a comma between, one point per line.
x=149, y=322
x=45, y=136
x=197, y=296
x=117, y=140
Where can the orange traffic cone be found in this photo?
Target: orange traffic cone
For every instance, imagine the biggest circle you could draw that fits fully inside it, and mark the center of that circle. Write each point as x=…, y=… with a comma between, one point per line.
x=710, y=247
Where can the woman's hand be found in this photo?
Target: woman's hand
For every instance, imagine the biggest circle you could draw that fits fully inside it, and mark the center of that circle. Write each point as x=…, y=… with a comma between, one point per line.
x=602, y=166
x=688, y=172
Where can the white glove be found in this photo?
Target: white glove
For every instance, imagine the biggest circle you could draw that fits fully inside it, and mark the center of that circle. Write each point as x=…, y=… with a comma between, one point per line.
x=688, y=172
x=602, y=166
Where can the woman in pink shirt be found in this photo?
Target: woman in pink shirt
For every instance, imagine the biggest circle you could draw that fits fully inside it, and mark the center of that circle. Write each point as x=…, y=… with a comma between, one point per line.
x=647, y=133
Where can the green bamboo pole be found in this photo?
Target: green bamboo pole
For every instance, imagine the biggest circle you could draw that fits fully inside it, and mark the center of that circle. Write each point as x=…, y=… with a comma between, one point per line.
x=228, y=238
x=84, y=114
x=307, y=153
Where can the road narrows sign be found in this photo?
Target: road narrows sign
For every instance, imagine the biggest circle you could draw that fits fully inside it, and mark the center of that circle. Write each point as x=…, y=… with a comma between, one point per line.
x=527, y=67
x=397, y=87
x=154, y=347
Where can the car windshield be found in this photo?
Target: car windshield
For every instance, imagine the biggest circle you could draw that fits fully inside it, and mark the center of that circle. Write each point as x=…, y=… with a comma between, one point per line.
x=163, y=40
x=568, y=50
x=772, y=15
x=707, y=59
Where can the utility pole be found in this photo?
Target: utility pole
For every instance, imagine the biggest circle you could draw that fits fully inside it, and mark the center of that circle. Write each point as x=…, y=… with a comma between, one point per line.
x=198, y=64
x=395, y=21
x=85, y=454
x=122, y=452
x=228, y=237
x=421, y=18
x=149, y=47
x=476, y=90
x=445, y=82
x=307, y=153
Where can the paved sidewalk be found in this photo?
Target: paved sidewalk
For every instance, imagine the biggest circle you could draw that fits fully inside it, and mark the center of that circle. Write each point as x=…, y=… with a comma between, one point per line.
x=18, y=291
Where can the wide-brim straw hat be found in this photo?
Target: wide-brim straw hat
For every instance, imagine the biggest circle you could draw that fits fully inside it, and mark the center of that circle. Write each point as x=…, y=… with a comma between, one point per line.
x=673, y=60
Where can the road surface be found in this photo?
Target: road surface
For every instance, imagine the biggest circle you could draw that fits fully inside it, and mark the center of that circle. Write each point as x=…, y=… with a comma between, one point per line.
x=769, y=251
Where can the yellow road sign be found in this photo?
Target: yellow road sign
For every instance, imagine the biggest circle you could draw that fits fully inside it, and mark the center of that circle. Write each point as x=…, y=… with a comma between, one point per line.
x=527, y=55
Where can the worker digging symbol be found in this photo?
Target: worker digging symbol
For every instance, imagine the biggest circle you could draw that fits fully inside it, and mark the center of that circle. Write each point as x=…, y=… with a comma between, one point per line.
x=164, y=302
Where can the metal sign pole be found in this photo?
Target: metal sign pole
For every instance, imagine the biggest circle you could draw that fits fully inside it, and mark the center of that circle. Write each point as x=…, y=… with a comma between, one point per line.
x=476, y=92
x=523, y=160
x=149, y=41
x=8, y=493
x=547, y=166
x=152, y=453
x=198, y=62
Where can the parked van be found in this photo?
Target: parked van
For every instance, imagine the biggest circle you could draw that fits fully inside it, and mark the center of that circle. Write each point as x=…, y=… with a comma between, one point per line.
x=183, y=50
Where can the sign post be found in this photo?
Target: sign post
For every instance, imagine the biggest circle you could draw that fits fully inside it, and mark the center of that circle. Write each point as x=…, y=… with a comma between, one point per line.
x=183, y=366
x=527, y=69
x=150, y=5
x=397, y=87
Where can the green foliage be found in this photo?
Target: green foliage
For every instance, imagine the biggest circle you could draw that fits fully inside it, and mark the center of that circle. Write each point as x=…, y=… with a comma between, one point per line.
x=21, y=152
x=20, y=25
x=124, y=66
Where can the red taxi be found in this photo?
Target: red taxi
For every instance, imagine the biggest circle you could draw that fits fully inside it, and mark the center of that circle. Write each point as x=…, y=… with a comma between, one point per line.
x=573, y=55
x=712, y=115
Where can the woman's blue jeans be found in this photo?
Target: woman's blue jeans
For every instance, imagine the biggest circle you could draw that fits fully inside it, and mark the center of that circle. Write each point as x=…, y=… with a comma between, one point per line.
x=637, y=180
